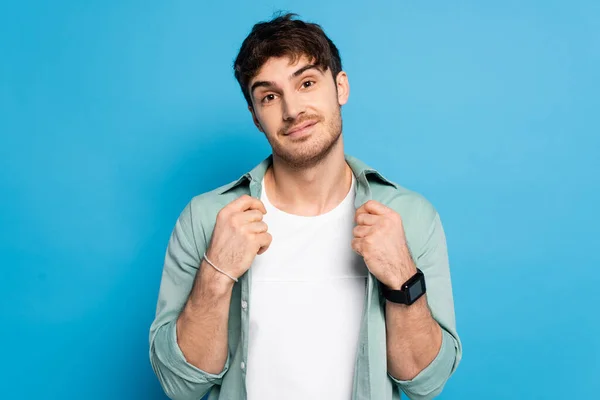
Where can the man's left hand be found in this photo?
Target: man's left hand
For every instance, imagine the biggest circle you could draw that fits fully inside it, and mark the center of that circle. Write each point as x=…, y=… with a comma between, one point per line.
x=379, y=238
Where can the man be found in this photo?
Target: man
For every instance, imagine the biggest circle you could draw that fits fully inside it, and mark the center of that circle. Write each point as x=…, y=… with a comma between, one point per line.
x=311, y=276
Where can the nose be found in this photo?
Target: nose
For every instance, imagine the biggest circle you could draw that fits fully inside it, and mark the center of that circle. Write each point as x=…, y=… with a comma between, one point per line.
x=292, y=107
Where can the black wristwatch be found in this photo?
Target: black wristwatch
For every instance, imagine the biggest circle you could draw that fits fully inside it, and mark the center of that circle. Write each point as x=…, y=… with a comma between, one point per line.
x=410, y=291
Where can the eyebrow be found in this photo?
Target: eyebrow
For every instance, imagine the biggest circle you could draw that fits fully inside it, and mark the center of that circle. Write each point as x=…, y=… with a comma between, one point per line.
x=296, y=74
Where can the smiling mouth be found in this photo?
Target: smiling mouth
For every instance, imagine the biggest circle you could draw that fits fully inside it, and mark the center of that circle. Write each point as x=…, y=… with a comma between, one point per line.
x=301, y=129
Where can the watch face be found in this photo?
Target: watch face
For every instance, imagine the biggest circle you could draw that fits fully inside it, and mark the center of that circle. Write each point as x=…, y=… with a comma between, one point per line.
x=415, y=290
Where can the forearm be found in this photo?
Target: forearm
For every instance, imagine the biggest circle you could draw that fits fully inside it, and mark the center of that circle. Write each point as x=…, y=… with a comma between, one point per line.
x=203, y=322
x=414, y=338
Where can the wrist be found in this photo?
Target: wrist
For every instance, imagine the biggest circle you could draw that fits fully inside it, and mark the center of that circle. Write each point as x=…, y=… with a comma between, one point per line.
x=402, y=276
x=213, y=283
x=418, y=308
x=406, y=293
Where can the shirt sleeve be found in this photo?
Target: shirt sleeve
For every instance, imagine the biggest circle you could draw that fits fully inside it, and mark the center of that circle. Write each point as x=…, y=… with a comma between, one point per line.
x=431, y=257
x=429, y=383
x=179, y=379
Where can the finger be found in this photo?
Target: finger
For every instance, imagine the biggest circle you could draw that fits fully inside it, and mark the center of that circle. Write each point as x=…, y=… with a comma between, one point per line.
x=359, y=211
x=361, y=231
x=375, y=207
x=367, y=219
x=251, y=216
x=257, y=227
x=245, y=202
x=356, y=246
x=264, y=240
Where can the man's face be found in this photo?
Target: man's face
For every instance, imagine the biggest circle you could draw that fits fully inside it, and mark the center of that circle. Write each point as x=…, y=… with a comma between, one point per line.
x=297, y=107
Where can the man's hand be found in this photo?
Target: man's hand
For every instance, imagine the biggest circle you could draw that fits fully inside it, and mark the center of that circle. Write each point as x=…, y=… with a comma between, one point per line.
x=379, y=238
x=239, y=235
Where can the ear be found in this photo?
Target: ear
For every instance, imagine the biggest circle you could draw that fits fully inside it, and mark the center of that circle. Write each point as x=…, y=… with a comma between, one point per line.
x=343, y=88
x=254, y=119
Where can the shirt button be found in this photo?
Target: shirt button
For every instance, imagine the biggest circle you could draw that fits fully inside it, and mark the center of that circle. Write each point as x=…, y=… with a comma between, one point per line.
x=244, y=304
x=243, y=365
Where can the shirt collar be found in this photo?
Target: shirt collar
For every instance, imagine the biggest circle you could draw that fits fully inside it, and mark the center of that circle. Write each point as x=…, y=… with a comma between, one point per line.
x=258, y=172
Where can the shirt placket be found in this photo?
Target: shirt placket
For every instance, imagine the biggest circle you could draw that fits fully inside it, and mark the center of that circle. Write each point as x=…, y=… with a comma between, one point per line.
x=246, y=279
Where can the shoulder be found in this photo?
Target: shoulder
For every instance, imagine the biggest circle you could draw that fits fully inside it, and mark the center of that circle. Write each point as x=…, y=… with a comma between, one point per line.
x=382, y=189
x=201, y=211
x=408, y=203
x=419, y=216
x=214, y=200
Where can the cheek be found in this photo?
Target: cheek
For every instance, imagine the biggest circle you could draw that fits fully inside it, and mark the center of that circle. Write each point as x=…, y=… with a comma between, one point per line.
x=331, y=106
x=270, y=121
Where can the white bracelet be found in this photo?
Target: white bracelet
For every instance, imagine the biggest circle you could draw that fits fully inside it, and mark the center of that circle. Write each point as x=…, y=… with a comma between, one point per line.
x=218, y=269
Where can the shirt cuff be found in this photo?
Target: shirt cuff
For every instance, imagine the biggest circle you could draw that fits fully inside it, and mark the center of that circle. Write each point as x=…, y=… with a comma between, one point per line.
x=172, y=357
x=431, y=380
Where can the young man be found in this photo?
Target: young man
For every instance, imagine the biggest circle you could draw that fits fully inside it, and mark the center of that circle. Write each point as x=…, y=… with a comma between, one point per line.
x=311, y=276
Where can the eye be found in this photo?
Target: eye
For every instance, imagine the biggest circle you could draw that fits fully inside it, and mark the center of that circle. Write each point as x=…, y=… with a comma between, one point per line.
x=307, y=84
x=268, y=98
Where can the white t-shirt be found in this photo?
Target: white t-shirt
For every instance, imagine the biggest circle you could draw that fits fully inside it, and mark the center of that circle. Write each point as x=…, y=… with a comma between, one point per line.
x=306, y=304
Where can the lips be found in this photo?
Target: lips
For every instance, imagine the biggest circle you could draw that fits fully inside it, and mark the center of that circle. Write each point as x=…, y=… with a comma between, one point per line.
x=301, y=126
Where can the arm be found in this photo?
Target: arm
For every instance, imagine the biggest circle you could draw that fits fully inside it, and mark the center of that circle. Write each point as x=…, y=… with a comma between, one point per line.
x=202, y=325
x=188, y=349
x=188, y=338
x=423, y=346
x=414, y=338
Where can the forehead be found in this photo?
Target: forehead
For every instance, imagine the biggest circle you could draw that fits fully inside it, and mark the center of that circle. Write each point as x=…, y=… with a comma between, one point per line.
x=280, y=68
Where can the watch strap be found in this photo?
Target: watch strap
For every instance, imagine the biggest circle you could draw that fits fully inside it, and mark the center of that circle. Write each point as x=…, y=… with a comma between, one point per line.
x=402, y=296
x=395, y=296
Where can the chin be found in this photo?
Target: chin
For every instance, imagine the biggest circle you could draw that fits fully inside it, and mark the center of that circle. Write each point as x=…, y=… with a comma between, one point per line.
x=306, y=153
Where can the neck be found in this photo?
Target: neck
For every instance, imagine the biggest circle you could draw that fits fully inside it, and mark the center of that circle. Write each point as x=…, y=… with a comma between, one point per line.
x=311, y=191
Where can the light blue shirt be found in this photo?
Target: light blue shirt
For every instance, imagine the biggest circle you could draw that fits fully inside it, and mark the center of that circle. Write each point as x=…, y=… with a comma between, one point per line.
x=190, y=237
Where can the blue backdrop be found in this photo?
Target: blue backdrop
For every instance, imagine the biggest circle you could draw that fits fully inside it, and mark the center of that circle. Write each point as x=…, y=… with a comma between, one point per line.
x=111, y=113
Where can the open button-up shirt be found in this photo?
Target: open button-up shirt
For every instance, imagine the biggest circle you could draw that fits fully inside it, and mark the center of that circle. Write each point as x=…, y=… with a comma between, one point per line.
x=190, y=237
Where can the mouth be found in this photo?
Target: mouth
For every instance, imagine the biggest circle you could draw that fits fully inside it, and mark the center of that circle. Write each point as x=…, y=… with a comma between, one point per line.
x=301, y=129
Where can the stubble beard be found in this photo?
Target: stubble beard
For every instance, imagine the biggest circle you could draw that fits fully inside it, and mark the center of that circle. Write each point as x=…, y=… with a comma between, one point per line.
x=316, y=147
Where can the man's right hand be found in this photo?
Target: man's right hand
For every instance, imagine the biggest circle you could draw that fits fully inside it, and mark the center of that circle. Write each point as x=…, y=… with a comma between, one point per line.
x=239, y=235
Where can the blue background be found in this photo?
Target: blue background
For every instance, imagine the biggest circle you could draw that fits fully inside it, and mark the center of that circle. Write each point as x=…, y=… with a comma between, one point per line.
x=114, y=114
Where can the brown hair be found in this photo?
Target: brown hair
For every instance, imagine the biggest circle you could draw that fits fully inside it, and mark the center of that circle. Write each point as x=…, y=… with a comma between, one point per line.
x=284, y=36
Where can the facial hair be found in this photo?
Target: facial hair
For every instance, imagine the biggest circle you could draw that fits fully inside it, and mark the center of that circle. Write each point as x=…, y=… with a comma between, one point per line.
x=308, y=152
